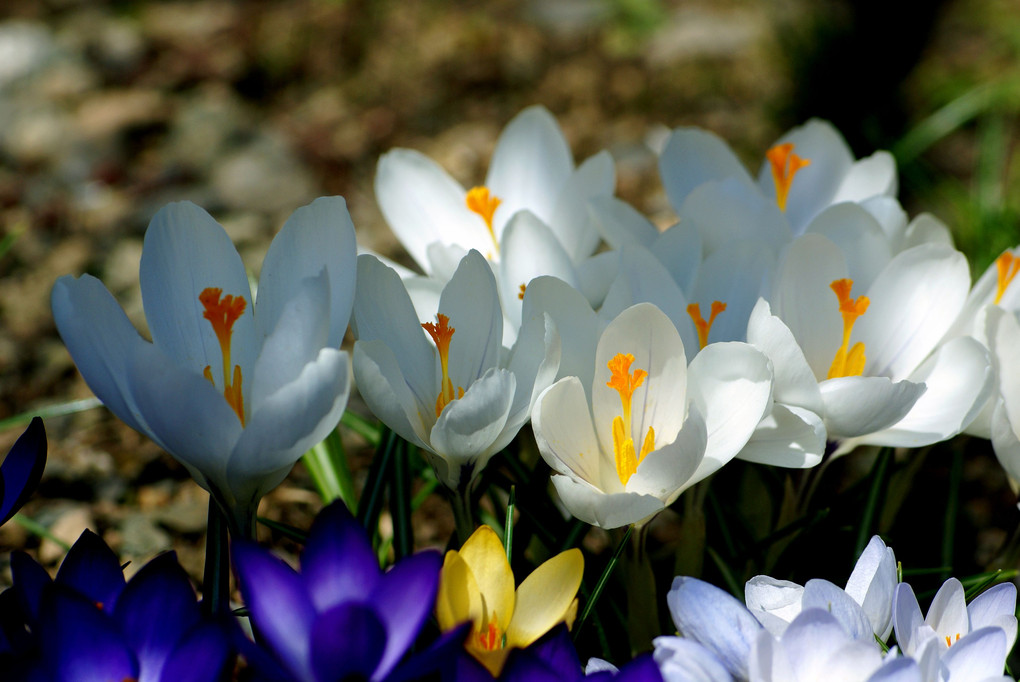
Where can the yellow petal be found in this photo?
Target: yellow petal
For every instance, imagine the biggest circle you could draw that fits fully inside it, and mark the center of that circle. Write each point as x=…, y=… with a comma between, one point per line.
x=545, y=598
x=458, y=599
x=485, y=554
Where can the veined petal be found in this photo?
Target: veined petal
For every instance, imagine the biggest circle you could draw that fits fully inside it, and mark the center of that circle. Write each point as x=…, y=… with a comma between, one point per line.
x=383, y=312
x=787, y=436
x=186, y=251
x=319, y=235
x=301, y=330
x=466, y=429
x=530, y=165
x=914, y=302
x=422, y=204
x=605, y=510
x=102, y=342
x=471, y=301
x=566, y=438
x=294, y=418
x=958, y=381
x=458, y=599
x=660, y=402
x=571, y=221
x=545, y=597
x=858, y=406
x=693, y=157
x=529, y=249
x=486, y=557
x=731, y=384
x=775, y=603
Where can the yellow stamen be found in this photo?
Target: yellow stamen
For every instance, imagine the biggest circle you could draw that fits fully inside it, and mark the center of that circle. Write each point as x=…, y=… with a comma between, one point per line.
x=694, y=310
x=222, y=313
x=949, y=642
x=785, y=165
x=520, y=294
x=1008, y=265
x=490, y=638
x=441, y=335
x=484, y=204
x=848, y=362
x=625, y=383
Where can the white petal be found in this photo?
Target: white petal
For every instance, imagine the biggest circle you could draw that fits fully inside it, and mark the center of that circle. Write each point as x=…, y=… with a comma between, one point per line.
x=693, y=157
x=891, y=216
x=728, y=211
x=908, y=621
x=534, y=361
x=317, y=236
x=815, y=186
x=575, y=322
x=736, y=276
x=775, y=603
x=947, y=614
x=821, y=594
x=1006, y=343
x=619, y=223
x=387, y=394
x=529, y=250
x=530, y=165
x=874, y=175
x=995, y=606
x=679, y=249
x=958, y=381
x=913, y=304
x=872, y=583
x=731, y=384
x=795, y=383
x=423, y=204
x=787, y=436
x=859, y=236
x=300, y=332
x=597, y=508
x=684, y=660
x=660, y=401
x=566, y=438
x=927, y=229
x=595, y=274
x=670, y=469
x=291, y=420
x=571, y=220
x=185, y=252
x=858, y=406
x=1005, y=442
x=979, y=656
x=101, y=340
x=471, y=302
x=468, y=426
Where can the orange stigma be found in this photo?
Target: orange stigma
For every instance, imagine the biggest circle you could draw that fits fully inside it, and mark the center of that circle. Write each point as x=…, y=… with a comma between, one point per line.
x=703, y=327
x=848, y=362
x=222, y=313
x=625, y=383
x=785, y=165
x=490, y=638
x=441, y=334
x=480, y=201
x=520, y=294
x=1007, y=264
x=949, y=641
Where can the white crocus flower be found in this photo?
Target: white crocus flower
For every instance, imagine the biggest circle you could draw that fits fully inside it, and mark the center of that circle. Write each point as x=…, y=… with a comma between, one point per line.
x=652, y=426
x=235, y=388
x=868, y=594
x=872, y=364
x=459, y=395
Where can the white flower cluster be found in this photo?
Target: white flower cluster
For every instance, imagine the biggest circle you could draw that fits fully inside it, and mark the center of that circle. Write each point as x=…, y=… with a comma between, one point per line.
x=787, y=632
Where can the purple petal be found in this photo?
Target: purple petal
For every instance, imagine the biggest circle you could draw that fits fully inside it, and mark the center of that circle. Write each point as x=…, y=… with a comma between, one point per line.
x=347, y=642
x=29, y=580
x=279, y=606
x=156, y=610
x=338, y=563
x=404, y=599
x=440, y=655
x=22, y=469
x=557, y=651
x=641, y=669
x=80, y=642
x=92, y=569
x=203, y=656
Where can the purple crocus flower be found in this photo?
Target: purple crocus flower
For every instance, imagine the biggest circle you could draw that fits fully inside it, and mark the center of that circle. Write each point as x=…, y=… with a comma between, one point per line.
x=553, y=658
x=22, y=469
x=341, y=617
x=89, y=624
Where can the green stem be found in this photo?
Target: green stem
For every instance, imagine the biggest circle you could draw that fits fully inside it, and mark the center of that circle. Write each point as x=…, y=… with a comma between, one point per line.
x=216, y=580
x=952, y=507
x=603, y=579
x=463, y=515
x=400, y=504
x=642, y=606
x=874, y=493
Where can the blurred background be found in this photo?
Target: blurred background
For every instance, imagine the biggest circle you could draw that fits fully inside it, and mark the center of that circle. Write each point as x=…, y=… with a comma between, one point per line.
x=108, y=110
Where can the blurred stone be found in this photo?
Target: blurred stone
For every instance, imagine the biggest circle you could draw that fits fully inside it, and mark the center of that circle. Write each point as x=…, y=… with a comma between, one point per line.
x=111, y=112
x=265, y=176
x=24, y=49
x=205, y=127
x=67, y=528
x=140, y=537
x=697, y=33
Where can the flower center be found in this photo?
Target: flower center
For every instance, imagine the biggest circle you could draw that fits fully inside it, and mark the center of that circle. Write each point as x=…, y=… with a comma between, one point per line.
x=490, y=637
x=441, y=334
x=625, y=382
x=222, y=313
x=703, y=327
x=785, y=165
x=848, y=362
x=1007, y=265
x=480, y=201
